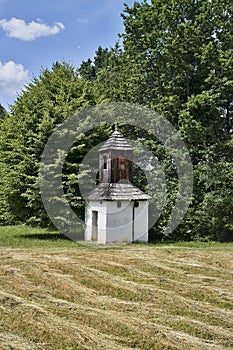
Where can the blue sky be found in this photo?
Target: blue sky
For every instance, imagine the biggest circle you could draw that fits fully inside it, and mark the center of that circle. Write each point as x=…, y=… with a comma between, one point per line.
x=36, y=33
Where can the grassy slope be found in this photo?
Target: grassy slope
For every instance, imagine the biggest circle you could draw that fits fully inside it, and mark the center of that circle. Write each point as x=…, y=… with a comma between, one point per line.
x=57, y=294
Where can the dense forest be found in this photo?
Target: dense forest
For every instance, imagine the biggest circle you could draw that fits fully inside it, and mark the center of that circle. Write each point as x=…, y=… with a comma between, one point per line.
x=174, y=57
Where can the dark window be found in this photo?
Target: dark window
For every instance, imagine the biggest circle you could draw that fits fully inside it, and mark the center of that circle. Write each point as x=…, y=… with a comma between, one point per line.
x=119, y=204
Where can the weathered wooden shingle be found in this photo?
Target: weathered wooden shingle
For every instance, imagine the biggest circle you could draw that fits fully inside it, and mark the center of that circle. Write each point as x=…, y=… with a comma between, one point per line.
x=116, y=142
x=117, y=192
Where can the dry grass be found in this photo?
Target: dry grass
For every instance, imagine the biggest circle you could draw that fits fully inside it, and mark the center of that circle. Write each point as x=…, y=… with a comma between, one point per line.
x=119, y=297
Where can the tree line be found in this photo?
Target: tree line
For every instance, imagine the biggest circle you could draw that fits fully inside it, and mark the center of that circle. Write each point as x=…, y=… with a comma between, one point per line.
x=174, y=57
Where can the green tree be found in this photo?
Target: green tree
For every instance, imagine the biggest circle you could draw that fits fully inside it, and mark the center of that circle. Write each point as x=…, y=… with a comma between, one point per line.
x=184, y=50
x=3, y=113
x=176, y=59
x=184, y=47
x=45, y=103
x=104, y=58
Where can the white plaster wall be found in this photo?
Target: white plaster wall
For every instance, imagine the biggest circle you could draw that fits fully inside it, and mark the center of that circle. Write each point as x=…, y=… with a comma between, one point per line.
x=116, y=224
x=141, y=222
x=119, y=222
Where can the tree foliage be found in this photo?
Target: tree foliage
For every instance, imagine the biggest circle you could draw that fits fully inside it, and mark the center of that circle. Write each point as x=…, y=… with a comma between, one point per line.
x=46, y=102
x=176, y=59
x=184, y=51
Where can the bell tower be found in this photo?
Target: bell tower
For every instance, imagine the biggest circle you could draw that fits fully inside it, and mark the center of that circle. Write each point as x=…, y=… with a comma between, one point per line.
x=116, y=159
x=116, y=211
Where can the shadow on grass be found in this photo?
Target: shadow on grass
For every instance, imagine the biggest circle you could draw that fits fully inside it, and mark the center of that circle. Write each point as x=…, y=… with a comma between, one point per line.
x=47, y=236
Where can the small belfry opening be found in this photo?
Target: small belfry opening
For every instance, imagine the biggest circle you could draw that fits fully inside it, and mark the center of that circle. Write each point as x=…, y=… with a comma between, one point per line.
x=105, y=162
x=121, y=169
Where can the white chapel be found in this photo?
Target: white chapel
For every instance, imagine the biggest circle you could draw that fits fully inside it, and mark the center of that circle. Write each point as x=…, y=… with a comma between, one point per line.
x=116, y=211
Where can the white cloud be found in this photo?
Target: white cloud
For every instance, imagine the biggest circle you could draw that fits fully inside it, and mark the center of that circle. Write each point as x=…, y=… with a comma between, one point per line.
x=13, y=76
x=19, y=29
x=82, y=20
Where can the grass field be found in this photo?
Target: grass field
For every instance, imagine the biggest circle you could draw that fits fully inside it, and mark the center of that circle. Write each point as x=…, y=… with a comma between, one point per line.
x=58, y=294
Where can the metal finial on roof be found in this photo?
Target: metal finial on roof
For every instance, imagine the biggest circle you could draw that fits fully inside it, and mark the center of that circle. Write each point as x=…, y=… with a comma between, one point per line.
x=116, y=127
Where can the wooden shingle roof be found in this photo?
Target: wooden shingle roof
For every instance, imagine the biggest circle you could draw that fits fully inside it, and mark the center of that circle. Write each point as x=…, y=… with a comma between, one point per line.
x=117, y=192
x=116, y=142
